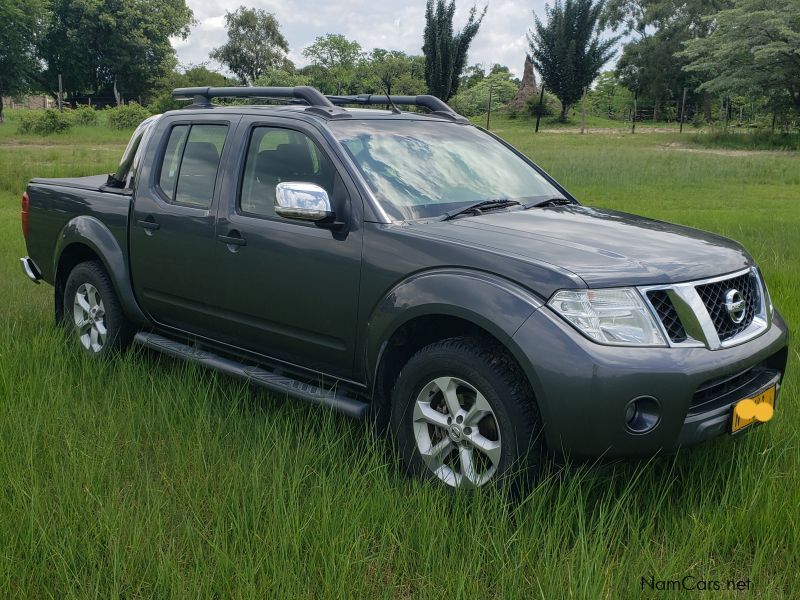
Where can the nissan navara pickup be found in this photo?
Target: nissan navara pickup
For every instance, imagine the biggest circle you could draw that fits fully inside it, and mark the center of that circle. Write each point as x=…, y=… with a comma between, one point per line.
x=410, y=268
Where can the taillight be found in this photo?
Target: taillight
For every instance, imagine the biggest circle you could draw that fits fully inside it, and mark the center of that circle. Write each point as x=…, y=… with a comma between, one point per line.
x=25, y=205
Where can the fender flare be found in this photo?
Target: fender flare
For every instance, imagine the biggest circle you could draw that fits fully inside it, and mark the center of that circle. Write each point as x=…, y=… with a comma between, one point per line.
x=495, y=304
x=91, y=232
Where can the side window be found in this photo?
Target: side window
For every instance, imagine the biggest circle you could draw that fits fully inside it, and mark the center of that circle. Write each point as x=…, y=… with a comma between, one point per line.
x=172, y=160
x=275, y=155
x=191, y=163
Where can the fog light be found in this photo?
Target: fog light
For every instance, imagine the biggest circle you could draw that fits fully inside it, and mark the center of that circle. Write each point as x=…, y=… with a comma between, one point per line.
x=642, y=414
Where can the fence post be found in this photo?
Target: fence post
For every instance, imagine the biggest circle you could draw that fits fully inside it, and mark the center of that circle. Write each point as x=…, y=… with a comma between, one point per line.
x=60, y=94
x=583, y=111
x=539, y=112
x=683, y=111
x=727, y=112
x=489, y=108
x=635, y=108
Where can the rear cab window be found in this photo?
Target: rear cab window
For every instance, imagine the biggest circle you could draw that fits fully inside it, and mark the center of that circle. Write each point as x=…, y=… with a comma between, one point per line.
x=190, y=164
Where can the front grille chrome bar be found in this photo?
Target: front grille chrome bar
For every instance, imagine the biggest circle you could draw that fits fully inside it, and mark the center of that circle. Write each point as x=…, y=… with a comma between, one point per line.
x=695, y=318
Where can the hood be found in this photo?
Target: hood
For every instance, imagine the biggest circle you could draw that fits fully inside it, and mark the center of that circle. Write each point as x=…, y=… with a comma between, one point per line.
x=602, y=247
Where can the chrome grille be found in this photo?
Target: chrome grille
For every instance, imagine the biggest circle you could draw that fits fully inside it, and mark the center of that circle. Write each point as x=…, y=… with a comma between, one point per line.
x=668, y=315
x=694, y=313
x=713, y=297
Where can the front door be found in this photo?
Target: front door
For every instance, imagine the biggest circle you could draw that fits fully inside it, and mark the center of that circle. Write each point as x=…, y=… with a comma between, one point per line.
x=288, y=289
x=172, y=237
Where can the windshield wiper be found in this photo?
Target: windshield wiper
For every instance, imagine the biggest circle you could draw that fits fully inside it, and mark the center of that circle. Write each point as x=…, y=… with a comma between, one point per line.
x=551, y=201
x=479, y=207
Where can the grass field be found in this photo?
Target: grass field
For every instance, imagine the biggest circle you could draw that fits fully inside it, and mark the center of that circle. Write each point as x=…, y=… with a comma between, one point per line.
x=146, y=477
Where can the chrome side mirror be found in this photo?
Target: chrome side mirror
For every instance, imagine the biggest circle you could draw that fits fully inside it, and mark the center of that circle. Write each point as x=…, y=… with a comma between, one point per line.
x=305, y=201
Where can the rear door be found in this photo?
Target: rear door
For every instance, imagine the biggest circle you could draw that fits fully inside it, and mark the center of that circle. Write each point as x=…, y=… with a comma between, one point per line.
x=287, y=289
x=172, y=233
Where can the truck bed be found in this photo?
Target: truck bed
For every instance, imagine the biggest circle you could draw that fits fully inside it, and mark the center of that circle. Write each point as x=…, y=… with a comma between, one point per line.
x=91, y=182
x=58, y=204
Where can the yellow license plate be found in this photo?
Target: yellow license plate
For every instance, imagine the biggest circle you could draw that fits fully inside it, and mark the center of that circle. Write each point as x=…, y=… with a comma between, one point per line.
x=758, y=409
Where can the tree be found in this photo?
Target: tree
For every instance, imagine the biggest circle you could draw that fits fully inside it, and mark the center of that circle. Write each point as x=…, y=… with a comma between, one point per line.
x=255, y=44
x=610, y=94
x=446, y=51
x=282, y=78
x=335, y=58
x=753, y=50
x=391, y=71
x=19, y=25
x=651, y=65
x=474, y=100
x=100, y=45
x=648, y=67
x=195, y=76
x=567, y=49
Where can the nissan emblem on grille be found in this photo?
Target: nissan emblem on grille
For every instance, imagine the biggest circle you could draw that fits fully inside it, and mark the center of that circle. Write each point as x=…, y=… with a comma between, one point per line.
x=735, y=305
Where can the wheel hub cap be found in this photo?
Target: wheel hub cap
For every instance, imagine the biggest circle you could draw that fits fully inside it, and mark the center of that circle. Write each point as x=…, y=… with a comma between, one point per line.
x=455, y=433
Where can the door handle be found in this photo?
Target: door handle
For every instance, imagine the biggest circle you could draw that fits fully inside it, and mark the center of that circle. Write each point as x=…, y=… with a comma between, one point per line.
x=232, y=240
x=148, y=224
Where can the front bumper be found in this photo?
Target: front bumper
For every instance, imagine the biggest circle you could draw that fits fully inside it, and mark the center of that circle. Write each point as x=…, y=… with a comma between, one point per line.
x=582, y=388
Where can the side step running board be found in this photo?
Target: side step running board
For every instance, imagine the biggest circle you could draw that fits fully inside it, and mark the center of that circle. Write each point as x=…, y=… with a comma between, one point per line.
x=260, y=376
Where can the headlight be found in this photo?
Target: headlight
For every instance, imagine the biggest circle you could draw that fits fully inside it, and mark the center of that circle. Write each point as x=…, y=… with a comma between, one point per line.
x=616, y=316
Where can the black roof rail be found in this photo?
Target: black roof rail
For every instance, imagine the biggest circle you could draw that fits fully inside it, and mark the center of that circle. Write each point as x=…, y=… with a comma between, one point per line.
x=432, y=103
x=201, y=96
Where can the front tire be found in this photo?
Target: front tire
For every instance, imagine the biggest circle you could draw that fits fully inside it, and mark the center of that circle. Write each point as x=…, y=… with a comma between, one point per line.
x=463, y=414
x=93, y=313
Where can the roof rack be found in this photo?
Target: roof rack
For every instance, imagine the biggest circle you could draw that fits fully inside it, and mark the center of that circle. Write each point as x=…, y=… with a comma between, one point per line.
x=432, y=103
x=326, y=105
x=201, y=96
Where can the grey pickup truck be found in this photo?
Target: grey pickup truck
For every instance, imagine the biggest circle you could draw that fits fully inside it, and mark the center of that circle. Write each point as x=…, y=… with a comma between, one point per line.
x=413, y=269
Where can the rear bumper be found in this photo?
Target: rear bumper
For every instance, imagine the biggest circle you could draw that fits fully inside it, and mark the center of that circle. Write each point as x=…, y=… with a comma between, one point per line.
x=583, y=388
x=31, y=269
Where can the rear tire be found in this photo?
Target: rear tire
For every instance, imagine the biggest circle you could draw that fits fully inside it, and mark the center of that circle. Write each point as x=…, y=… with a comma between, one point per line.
x=463, y=414
x=92, y=312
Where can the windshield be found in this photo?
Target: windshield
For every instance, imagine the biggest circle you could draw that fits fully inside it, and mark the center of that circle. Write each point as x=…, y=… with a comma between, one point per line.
x=419, y=169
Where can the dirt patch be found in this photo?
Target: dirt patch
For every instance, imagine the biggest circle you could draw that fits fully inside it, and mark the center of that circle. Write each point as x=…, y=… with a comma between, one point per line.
x=610, y=130
x=724, y=152
x=65, y=145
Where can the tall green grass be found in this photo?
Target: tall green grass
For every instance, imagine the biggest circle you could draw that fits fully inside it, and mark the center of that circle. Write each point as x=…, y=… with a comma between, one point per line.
x=146, y=477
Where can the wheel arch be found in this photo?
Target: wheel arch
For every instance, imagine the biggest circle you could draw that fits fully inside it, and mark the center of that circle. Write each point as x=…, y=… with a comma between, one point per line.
x=86, y=238
x=436, y=305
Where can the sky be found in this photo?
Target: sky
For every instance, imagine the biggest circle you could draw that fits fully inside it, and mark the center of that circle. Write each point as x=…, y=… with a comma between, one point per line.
x=393, y=25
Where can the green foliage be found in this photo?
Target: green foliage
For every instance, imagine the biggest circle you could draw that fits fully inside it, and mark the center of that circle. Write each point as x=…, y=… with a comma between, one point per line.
x=567, y=49
x=126, y=116
x=474, y=100
x=752, y=51
x=446, y=50
x=83, y=116
x=282, y=78
x=255, y=44
x=550, y=105
x=44, y=122
x=333, y=59
x=19, y=31
x=391, y=71
x=105, y=45
x=610, y=97
x=198, y=76
x=754, y=140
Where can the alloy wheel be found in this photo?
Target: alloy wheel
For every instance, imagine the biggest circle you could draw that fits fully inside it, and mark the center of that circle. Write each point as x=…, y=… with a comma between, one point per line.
x=456, y=432
x=89, y=316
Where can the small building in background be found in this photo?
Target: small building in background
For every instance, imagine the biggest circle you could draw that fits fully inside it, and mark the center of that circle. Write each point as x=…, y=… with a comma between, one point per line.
x=36, y=101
